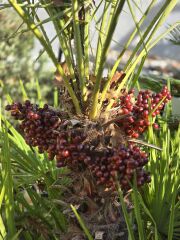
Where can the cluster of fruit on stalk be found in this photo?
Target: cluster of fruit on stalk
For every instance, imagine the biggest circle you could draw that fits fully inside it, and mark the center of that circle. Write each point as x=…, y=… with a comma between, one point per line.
x=46, y=129
x=140, y=109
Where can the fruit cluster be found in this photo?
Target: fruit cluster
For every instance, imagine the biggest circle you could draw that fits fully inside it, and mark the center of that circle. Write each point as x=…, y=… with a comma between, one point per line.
x=38, y=125
x=120, y=164
x=70, y=150
x=46, y=129
x=140, y=109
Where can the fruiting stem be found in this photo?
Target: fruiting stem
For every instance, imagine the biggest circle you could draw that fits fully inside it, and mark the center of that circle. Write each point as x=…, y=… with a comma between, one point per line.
x=101, y=37
x=149, y=46
x=115, y=120
x=86, y=43
x=130, y=66
x=106, y=86
x=78, y=48
x=117, y=10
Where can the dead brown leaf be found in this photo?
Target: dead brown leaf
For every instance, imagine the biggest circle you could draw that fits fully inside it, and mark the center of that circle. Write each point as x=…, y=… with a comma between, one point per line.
x=58, y=80
x=116, y=79
x=58, y=3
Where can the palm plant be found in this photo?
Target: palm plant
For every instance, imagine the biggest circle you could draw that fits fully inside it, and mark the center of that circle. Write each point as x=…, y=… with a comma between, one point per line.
x=175, y=36
x=88, y=100
x=29, y=198
x=156, y=207
x=161, y=198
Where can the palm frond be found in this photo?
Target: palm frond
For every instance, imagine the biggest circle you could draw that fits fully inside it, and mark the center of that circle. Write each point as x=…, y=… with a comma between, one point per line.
x=174, y=36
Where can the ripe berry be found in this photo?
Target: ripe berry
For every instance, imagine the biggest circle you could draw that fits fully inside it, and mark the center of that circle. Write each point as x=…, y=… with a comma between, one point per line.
x=65, y=153
x=156, y=126
x=135, y=135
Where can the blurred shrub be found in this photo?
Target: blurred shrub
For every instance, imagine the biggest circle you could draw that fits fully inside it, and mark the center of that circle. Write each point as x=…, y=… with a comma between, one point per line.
x=15, y=48
x=16, y=60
